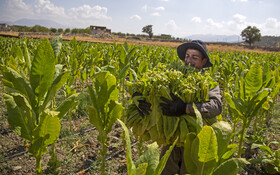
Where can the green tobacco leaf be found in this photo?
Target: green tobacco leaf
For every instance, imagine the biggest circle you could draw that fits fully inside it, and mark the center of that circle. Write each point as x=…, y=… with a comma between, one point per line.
x=203, y=168
x=46, y=133
x=56, y=85
x=190, y=165
x=17, y=53
x=56, y=44
x=129, y=161
x=230, y=166
x=223, y=132
x=106, y=88
x=143, y=67
x=253, y=80
x=115, y=112
x=132, y=75
x=95, y=119
x=42, y=69
x=18, y=119
x=13, y=80
x=124, y=72
x=208, y=148
x=262, y=147
x=232, y=148
x=49, y=126
x=141, y=169
x=66, y=105
x=231, y=103
x=151, y=157
x=164, y=159
x=199, y=121
x=93, y=96
x=27, y=57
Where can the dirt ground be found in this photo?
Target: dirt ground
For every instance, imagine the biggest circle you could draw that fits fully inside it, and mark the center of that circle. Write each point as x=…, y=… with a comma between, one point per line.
x=78, y=154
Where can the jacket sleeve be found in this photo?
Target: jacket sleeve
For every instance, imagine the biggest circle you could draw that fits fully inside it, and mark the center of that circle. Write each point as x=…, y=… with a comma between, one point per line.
x=211, y=108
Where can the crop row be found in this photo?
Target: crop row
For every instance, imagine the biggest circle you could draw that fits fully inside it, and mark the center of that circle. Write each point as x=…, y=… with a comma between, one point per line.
x=103, y=77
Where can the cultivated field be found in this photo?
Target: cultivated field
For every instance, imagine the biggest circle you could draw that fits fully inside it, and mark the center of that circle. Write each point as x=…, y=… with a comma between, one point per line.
x=62, y=106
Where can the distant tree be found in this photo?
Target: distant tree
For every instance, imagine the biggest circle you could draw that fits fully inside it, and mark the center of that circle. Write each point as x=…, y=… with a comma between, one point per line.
x=67, y=30
x=53, y=30
x=38, y=28
x=87, y=30
x=60, y=30
x=17, y=28
x=251, y=35
x=75, y=31
x=149, y=30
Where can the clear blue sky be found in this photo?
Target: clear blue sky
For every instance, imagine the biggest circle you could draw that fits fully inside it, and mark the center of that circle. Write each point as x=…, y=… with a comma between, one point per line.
x=178, y=18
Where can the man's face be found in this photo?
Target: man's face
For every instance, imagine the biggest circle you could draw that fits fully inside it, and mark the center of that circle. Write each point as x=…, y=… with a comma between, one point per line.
x=195, y=58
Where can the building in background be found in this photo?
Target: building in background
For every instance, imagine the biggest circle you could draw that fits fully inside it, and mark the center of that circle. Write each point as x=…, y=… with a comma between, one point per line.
x=99, y=30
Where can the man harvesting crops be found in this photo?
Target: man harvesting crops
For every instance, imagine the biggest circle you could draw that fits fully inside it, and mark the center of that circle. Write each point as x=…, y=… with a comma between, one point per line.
x=194, y=54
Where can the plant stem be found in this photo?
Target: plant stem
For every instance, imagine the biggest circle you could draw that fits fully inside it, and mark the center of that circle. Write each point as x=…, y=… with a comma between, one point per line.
x=103, y=155
x=241, y=138
x=38, y=165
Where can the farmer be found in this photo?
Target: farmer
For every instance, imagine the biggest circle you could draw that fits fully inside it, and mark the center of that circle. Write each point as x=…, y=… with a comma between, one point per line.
x=194, y=54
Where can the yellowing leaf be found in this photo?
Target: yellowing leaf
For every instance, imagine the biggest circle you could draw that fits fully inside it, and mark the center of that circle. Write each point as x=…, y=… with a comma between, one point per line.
x=208, y=149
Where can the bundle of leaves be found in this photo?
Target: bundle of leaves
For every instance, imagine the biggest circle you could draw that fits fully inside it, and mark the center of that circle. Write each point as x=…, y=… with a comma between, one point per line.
x=187, y=83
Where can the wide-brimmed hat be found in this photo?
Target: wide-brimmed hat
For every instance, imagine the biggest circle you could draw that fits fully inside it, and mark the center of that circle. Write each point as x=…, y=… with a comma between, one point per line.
x=194, y=44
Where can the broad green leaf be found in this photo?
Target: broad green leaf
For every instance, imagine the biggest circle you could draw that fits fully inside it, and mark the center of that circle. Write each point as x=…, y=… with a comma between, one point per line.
x=232, y=148
x=223, y=132
x=49, y=126
x=14, y=80
x=231, y=103
x=105, y=86
x=45, y=134
x=141, y=169
x=17, y=54
x=132, y=75
x=208, y=148
x=27, y=57
x=262, y=147
x=94, y=118
x=253, y=80
x=199, y=121
x=56, y=85
x=66, y=105
x=230, y=166
x=130, y=163
x=56, y=44
x=42, y=69
x=18, y=119
x=143, y=67
x=151, y=157
x=184, y=130
x=124, y=72
x=115, y=112
x=190, y=165
x=93, y=96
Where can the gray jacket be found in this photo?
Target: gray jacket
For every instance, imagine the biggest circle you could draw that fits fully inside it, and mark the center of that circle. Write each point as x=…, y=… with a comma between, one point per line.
x=211, y=108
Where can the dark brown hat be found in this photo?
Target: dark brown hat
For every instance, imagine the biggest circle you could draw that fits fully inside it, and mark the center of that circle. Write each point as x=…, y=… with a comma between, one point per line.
x=194, y=44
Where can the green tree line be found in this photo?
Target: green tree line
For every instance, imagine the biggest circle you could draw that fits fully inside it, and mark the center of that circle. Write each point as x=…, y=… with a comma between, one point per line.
x=38, y=28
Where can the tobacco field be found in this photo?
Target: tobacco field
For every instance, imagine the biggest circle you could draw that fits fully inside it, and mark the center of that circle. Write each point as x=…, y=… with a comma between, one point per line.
x=67, y=107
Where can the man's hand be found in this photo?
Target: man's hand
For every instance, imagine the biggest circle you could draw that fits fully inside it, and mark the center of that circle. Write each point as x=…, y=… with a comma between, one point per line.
x=174, y=107
x=143, y=107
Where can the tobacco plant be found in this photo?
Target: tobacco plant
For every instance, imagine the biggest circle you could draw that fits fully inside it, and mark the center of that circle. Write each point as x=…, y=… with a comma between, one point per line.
x=30, y=113
x=253, y=90
x=104, y=109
